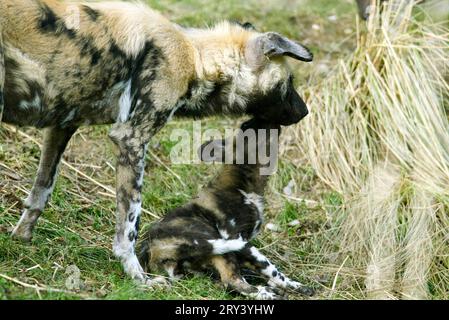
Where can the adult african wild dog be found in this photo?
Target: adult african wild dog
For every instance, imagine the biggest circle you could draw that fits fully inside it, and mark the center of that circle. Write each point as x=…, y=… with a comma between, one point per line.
x=71, y=64
x=216, y=228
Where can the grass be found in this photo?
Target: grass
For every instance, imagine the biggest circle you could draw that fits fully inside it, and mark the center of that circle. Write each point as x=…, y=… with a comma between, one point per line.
x=381, y=142
x=78, y=226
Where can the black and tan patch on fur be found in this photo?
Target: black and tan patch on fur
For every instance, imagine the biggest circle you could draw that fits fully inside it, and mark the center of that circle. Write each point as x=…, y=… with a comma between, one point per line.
x=91, y=13
x=49, y=22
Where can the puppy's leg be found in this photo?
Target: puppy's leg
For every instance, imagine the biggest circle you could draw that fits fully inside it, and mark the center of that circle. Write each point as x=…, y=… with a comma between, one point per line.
x=257, y=261
x=55, y=142
x=229, y=271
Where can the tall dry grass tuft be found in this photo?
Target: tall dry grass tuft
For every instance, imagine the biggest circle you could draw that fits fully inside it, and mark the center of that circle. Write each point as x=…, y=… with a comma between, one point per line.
x=378, y=134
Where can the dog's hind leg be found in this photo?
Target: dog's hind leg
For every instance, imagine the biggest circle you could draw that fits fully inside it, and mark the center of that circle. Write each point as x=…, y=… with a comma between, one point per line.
x=55, y=142
x=253, y=258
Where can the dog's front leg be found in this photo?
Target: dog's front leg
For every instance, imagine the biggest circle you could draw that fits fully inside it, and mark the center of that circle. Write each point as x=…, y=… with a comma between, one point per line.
x=132, y=143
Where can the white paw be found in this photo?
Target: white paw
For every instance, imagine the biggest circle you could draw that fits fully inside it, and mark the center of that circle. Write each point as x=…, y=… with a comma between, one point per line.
x=281, y=281
x=24, y=236
x=264, y=294
x=132, y=267
x=157, y=282
x=294, y=284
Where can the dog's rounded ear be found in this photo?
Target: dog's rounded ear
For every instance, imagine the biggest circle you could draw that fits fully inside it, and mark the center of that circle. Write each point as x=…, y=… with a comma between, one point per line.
x=245, y=25
x=270, y=45
x=248, y=26
x=213, y=151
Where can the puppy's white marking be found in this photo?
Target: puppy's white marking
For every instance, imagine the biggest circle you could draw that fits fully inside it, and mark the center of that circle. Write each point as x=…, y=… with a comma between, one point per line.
x=258, y=255
x=255, y=230
x=224, y=234
x=221, y=246
x=171, y=272
x=257, y=201
x=277, y=279
x=286, y=283
x=268, y=271
x=254, y=199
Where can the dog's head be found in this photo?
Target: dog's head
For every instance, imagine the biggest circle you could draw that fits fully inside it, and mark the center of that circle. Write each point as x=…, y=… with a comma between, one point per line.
x=245, y=71
x=254, y=144
x=276, y=99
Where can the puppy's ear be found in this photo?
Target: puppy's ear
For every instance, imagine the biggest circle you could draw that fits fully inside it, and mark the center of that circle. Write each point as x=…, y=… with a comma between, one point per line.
x=213, y=151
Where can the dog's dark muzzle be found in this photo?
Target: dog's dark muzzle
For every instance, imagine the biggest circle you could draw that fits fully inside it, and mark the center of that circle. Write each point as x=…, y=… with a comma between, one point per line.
x=290, y=111
x=283, y=109
x=295, y=109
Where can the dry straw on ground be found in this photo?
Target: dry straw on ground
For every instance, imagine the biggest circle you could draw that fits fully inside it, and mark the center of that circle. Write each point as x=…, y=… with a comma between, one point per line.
x=378, y=134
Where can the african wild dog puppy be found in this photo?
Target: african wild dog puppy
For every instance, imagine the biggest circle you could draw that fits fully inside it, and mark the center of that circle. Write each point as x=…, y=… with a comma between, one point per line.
x=216, y=228
x=67, y=64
